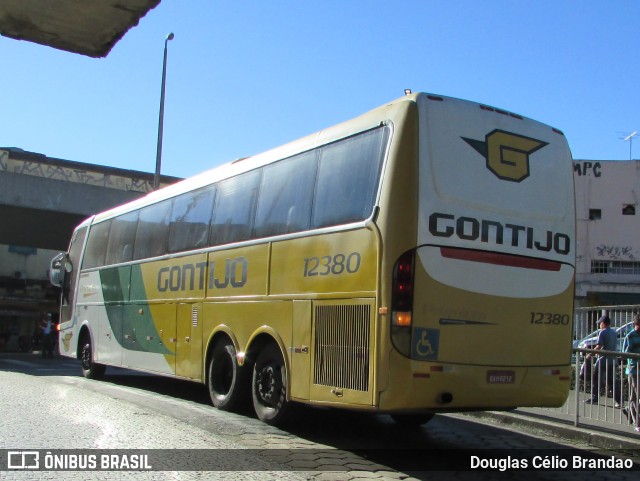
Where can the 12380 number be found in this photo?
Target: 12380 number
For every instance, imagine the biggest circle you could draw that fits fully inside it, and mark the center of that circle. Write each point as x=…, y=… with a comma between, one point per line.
x=549, y=318
x=332, y=265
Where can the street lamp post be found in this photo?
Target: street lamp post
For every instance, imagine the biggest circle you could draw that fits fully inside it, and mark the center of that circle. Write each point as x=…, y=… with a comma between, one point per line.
x=156, y=177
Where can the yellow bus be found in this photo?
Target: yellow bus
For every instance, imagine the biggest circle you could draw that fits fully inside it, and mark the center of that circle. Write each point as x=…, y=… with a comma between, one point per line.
x=416, y=259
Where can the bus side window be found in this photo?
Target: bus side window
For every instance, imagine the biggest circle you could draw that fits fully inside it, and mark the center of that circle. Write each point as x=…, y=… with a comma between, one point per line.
x=121, y=238
x=348, y=176
x=190, y=220
x=97, y=245
x=152, y=231
x=285, y=199
x=72, y=270
x=234, y=210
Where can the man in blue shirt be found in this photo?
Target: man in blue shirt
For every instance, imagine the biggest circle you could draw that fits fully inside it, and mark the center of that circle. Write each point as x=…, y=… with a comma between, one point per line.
x=604, y=368
x=48, y=340
x=631, y=344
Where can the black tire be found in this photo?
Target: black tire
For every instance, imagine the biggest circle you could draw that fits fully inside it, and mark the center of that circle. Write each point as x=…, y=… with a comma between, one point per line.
x=227, y=381
x=90, y=369
x=412, y=419
x=269, y=387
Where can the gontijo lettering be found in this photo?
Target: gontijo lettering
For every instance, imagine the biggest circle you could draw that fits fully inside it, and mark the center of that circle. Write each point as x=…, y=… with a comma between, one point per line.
x=189, y=277
x=471, y=229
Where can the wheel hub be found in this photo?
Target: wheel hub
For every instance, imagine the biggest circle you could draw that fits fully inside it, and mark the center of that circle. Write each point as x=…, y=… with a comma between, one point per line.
x=267, y=384
x=86, y=357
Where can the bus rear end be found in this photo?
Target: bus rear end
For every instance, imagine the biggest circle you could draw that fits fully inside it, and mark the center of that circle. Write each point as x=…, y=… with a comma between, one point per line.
x=481, y=313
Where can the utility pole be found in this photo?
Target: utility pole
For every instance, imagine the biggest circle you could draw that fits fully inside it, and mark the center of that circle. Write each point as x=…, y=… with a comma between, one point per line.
x=156, y=177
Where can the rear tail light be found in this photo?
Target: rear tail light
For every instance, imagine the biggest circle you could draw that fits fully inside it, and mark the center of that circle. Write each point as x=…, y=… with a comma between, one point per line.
x=402, y=302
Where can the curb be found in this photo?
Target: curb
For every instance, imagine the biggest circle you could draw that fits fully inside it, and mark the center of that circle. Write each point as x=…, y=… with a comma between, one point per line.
x=549, y=427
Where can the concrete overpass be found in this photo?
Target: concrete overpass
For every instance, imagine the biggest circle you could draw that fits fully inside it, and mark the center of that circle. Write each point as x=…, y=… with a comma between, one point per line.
x=42, y=198
x=89, y=28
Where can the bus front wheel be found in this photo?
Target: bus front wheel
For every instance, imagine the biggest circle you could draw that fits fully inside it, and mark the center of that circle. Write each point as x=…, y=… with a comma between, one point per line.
x=226, y=378
x=269, y=386
x=90, y=368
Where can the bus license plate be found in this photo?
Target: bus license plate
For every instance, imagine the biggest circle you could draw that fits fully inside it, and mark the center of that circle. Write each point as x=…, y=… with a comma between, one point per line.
x=501, y=377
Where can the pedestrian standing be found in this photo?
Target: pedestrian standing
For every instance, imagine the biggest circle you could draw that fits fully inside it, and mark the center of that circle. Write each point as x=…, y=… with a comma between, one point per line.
x=47, y=336
x=604, y=368
x=631, y=344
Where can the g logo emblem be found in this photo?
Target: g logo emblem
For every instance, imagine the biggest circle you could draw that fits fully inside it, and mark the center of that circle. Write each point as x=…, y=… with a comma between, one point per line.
x=507, y=154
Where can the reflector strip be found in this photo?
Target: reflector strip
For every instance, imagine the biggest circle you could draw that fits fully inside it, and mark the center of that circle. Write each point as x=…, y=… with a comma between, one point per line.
x=499, y=259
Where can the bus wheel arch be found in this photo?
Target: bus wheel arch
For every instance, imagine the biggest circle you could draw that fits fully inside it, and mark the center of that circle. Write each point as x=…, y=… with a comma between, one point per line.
x=269, y=381
x=90, y=368
x=228, y=382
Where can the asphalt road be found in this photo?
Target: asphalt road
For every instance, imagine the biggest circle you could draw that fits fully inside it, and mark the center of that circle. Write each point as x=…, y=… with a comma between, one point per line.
x=47, y=407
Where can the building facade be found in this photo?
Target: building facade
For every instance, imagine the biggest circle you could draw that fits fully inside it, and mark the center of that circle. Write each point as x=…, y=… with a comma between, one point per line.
x=608, y=232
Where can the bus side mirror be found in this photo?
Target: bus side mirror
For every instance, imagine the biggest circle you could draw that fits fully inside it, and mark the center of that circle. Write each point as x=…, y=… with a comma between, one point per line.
x=60, y=266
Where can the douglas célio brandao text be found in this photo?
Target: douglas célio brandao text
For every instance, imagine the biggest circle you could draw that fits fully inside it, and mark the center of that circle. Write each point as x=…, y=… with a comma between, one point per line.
x=549, y=462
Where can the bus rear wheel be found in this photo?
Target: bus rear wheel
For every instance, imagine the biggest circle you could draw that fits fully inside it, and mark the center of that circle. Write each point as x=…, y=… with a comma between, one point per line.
x=269, y=386
x=227, y=381
x=90, y=368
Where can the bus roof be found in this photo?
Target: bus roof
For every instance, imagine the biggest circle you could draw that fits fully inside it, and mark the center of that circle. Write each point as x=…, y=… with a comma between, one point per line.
x=367, y=120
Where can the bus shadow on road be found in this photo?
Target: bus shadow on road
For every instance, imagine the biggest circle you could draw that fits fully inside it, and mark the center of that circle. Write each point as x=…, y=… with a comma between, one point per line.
x=345, y=429
x=177, y=388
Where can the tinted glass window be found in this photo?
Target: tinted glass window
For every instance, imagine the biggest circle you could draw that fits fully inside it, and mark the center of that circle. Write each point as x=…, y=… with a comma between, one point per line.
x=75, y=249
x=96, y=245
x=152, y=231
x=121, y=237
x=285, y=196
x=190, y=220
x=348, y=176
x=234, y=208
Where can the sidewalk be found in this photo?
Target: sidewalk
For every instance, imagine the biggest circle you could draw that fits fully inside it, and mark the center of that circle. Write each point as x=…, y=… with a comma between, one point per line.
x=594, y=432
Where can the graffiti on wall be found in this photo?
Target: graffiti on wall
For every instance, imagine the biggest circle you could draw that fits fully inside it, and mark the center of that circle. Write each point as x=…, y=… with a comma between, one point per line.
x=80, y=176
x=615, y=252
x=4, y=157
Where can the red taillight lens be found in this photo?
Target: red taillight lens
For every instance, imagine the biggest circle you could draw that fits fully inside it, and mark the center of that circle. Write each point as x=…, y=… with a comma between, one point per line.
x=402, y=302
x=402, y=290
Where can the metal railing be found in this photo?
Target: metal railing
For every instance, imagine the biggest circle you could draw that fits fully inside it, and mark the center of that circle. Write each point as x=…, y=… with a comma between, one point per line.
x=601, y=389
x=585, y=319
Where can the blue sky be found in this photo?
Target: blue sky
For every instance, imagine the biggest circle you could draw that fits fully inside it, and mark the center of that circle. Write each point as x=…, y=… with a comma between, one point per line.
x=247, y=75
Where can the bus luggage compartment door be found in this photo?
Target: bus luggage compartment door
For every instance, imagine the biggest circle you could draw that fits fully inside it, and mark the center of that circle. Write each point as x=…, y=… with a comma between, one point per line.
x=342, y=351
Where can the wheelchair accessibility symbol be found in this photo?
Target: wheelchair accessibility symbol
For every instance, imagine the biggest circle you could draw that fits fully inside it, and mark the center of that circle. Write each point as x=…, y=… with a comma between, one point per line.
x=425, y=343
